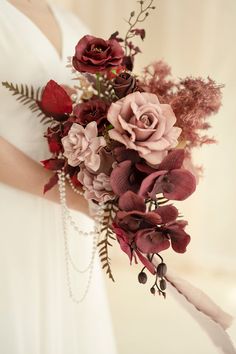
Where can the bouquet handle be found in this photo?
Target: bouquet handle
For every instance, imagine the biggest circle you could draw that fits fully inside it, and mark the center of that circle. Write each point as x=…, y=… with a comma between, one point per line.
x=211, y=318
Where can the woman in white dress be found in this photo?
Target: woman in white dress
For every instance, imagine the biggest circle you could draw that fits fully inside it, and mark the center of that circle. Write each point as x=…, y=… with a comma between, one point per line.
x=36, y=313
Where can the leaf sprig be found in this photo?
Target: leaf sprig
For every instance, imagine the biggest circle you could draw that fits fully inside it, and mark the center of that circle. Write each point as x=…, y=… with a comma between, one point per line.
x=145, y=7
x=107, y=238
x=28, y=96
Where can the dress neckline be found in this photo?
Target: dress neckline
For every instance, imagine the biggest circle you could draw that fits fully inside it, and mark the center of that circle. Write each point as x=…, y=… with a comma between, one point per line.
x=60, y=55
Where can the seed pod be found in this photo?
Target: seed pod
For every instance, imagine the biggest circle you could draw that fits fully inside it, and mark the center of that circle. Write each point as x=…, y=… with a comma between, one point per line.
x=163, y=284
x=132, y=14
x=142, y=277
x=161, y=270
x=153, y=290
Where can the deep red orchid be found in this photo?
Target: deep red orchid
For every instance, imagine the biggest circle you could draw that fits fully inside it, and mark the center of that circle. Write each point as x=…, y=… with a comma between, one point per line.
x=141, y=233
x=128, y=246
x=174, y=182
x=132, y=215
x=55, y=102
x=171, y=231
x=130, y=171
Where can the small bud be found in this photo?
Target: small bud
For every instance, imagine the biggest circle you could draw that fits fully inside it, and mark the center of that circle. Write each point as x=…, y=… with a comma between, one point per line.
x=141, y=2
x=153, y=290
x=132, y=14
x=147, y=13
x=163, y=284
x=153, y=7
x=142, y=277
x=161, y=270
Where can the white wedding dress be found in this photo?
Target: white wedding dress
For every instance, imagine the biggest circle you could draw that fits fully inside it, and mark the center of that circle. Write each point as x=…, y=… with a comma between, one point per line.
x=37, y=315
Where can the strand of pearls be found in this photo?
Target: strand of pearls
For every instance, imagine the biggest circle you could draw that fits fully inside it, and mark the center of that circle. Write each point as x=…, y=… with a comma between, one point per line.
x=67, y=219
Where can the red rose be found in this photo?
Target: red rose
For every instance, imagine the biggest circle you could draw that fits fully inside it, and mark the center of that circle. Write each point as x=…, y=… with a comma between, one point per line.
x=95, y=55
x=93, y=110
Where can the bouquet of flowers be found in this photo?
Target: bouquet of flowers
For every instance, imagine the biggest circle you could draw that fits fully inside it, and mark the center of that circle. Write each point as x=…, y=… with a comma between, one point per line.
x=124, y=142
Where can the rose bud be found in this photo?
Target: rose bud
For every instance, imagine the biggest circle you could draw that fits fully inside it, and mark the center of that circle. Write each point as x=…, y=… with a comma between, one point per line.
x=161, y=270
x=163, y=284
x=142, y=277
x=153, y=290
x=128, y=62
x=124, y=84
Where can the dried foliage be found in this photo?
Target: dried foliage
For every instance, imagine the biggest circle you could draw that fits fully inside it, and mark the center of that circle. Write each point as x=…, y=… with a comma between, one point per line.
x=193, y=101
x=28, y=96
x=107, y=236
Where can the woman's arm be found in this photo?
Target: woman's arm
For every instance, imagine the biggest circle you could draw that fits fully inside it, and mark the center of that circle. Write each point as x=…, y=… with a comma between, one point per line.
x=19, y=171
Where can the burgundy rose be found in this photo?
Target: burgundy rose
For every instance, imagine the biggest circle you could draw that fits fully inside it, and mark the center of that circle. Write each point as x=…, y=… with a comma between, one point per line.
x=95, y=55
x=124, y=84
x=92, y=110
x=55, y=134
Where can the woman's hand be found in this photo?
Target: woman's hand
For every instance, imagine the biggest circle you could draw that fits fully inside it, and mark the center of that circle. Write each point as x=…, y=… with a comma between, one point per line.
x=21, y=172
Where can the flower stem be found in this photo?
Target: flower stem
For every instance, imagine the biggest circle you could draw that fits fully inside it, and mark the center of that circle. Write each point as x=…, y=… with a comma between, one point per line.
x=98, y=84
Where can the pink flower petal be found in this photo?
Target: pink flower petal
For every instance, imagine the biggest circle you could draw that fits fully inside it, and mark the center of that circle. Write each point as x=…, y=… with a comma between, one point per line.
x=173, y=160
x=151, y=241
x=146, y=262
x=91, y=130
x=167, y=111
x=155, y=157
x=115, y=135
x=120, y=178
x=184, y=184
x=179, y=238
x=130, y=201
x=112, y=114
x=122, y=239
x=148, y=183
x=150, y=97
x=160, y=144
x=168, y=213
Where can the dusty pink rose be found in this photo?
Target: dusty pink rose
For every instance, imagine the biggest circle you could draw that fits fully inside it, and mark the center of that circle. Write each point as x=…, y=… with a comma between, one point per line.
x=143, y=124
x=96, y=187
x=83, y=145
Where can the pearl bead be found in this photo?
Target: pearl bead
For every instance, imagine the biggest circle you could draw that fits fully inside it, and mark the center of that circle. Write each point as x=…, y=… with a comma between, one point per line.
x=67, y=219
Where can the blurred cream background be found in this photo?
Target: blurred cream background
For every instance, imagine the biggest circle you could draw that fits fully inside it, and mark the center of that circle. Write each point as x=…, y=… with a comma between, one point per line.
x=196, y=38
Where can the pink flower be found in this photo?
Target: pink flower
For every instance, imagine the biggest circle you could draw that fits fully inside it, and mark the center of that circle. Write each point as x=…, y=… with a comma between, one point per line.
x=143, y=124
x=83, y=145
x=96, y=187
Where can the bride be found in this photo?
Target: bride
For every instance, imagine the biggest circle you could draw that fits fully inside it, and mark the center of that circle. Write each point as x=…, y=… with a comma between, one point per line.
x=36, y=313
